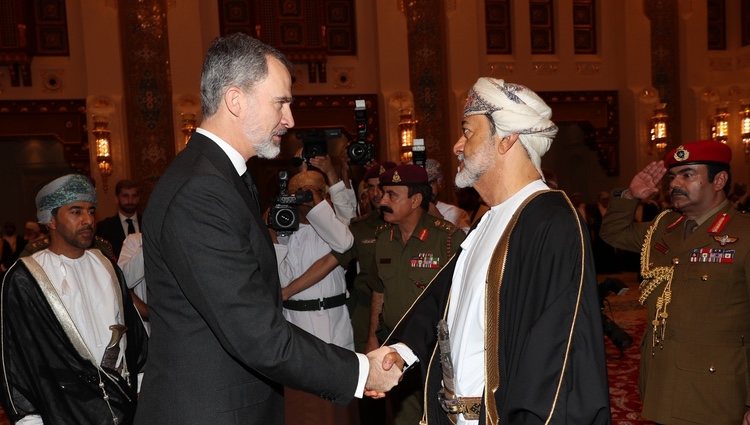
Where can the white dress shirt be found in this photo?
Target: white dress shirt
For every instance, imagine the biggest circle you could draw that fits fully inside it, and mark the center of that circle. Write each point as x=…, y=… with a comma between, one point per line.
x=131, y=264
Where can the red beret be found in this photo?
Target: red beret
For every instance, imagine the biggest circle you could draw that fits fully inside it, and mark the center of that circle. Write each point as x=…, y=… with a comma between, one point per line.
x=702, y=151
x=404, y=175
x=376, y=170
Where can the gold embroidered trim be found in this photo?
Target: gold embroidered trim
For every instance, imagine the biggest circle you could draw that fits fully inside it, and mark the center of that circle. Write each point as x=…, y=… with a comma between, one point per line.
x=652, y=278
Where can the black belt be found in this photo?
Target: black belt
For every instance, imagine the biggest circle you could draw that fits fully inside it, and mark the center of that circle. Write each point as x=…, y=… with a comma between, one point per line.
x=316, y=304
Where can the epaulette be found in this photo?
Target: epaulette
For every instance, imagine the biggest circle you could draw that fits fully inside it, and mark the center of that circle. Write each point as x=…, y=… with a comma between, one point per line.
x=446, y=225
x=383, y=227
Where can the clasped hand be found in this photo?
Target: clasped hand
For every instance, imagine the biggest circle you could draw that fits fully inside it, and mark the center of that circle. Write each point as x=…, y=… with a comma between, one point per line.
x=383, y=375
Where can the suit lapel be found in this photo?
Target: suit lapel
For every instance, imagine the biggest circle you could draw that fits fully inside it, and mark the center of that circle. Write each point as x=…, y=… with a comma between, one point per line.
x=222, y=163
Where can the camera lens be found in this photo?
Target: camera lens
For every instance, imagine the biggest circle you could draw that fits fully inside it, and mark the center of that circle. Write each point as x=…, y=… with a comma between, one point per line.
x=285, y=218
x=356, y=150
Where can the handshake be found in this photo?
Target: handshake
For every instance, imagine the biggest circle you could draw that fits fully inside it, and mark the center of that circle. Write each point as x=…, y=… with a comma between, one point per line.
x=383, y=376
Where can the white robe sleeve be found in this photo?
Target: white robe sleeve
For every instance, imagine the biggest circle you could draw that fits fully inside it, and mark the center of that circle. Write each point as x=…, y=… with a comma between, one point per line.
x=332, y=230
x=131, y=260
x=286, y=274
x=344, y=201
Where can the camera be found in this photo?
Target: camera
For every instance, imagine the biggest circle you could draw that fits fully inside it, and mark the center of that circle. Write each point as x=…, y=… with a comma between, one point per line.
x=418, y=153
x=314, y=143
x=283, y=216
x=359, y=151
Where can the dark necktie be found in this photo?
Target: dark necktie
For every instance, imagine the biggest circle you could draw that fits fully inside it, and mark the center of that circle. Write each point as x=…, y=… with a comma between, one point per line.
x=251, y=187
x=690, y=227
x=131, y=228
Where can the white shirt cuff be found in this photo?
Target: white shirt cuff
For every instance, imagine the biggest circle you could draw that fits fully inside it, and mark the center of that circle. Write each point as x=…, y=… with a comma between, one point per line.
x=405, y=352
x=30, y=420
x=364, y=370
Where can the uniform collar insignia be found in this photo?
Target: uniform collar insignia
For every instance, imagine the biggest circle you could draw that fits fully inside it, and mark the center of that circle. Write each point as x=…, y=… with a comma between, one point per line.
x=724, y=240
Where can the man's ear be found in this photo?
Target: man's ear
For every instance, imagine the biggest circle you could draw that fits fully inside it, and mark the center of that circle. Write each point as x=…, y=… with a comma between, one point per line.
x=720, y=180
x=52, y=225
x=416, y=201
x=233, y=100
x=505, y=143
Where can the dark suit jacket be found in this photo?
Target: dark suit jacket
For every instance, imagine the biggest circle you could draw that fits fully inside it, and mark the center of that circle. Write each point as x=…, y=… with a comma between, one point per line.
x=111, y=229
x=220, y=348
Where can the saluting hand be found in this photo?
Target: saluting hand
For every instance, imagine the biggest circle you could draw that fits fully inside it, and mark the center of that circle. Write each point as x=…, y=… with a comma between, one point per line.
x=646, y=182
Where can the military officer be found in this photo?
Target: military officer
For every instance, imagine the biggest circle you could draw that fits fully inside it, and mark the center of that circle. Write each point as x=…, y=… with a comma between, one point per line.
x=695, y=260
x=363, y=228
x=409, y=251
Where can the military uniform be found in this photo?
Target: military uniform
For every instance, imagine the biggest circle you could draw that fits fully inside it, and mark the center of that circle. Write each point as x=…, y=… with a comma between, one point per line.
x=695, y=353
x=404, y=270
x=363, y=229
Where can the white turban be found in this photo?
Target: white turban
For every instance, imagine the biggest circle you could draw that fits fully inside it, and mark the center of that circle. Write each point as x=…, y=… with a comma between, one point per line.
x=63, y=191
x=515, y=110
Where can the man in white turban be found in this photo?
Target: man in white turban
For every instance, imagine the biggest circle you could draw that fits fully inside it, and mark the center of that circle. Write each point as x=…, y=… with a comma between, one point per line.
x=72, y=342
x=521, y=338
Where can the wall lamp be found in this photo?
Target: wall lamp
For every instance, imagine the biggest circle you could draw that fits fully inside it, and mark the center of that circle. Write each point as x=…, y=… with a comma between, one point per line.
x=658, y=128
x=745, y=128
x=720, y=126
x=102, y=141
x=407, y=127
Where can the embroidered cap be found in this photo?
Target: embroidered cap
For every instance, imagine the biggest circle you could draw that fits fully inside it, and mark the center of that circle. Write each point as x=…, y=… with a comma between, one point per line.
x=699, y=152
x=404, y=175
x=63, y=191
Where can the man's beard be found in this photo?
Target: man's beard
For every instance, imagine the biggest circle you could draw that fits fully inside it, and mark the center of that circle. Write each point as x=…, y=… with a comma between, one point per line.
x=474, y=166
x=267, y=149
x=129, y=208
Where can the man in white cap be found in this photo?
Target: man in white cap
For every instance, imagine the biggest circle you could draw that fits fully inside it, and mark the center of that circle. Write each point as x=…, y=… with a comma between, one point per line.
x=72, y=342
x=521, y=341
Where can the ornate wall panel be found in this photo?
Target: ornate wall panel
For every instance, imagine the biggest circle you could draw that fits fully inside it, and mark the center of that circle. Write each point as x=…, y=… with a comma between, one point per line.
x=51, y=28
x=717, y=24
x=425, y=23
x=29, y=29
x=498, y=28
x=305, y=30
x=148, y=104
x=584, y=27
x=665, y=70
x=542, y=26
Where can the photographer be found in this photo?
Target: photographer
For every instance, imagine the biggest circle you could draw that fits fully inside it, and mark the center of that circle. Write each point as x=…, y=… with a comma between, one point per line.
x=316, y=304
x=317, y=307
x=340, y=189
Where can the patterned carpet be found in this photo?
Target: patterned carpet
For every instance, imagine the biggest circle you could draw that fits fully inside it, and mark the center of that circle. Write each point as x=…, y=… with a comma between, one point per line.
x=623, y=371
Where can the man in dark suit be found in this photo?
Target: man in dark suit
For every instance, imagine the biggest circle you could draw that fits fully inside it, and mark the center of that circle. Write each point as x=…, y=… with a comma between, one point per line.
x=220, y=349
x=114, y=229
